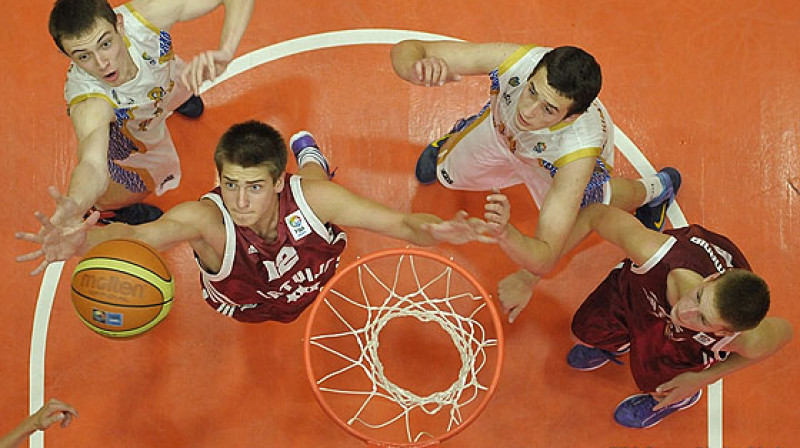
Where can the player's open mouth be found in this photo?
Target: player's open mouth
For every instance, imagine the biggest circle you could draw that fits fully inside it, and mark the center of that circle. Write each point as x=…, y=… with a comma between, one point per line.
x=522, y=121
x=111, y=77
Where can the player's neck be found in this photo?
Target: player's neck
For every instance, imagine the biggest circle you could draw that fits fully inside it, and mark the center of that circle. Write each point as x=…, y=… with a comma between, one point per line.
x=130, y=70
x=679, y=282
x=267, y=226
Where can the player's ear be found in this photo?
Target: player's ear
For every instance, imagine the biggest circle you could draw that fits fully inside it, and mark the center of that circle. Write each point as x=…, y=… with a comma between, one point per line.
x=724, y=333
x=571, y=118
x=280, y=183
x=120, y=25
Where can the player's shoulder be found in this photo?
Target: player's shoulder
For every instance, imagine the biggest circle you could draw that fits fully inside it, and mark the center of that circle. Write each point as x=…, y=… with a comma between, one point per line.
x=200, y=213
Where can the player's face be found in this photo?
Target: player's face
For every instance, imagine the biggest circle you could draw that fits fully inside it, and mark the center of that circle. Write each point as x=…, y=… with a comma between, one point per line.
x=102, y=53
x=251, y=196
x=697, y=310
x=541, y=106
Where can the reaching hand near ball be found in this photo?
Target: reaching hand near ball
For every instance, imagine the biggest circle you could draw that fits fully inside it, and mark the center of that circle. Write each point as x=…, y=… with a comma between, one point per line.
x=58, y=241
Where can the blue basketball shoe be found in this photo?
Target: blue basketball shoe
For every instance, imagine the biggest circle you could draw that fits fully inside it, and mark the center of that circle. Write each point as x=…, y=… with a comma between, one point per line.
x=636, y=411
x=305, y=149
x=585, y=358
x=426, y=164
x=191, y=108
x=653, y=214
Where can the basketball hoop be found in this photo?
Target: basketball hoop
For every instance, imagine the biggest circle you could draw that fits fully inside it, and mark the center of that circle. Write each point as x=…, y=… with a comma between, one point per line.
x=410, y=317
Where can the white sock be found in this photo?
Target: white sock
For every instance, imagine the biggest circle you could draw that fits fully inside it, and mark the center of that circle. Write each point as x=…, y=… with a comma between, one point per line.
x=652, y=188
x=312, y=154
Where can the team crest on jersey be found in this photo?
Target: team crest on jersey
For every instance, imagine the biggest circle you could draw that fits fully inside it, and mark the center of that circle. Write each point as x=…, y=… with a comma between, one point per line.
x=540, y=147
x=298, y=225
x=514, y=82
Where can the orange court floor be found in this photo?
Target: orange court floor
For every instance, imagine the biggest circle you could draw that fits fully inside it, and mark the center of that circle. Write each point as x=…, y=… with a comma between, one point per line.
x=708, y=87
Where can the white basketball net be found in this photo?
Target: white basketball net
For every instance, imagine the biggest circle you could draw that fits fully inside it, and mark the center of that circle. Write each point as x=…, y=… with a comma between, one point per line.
x=468, y=336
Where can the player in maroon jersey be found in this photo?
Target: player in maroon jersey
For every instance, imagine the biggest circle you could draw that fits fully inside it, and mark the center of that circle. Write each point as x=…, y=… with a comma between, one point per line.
x=265, y=241
x=685, y=304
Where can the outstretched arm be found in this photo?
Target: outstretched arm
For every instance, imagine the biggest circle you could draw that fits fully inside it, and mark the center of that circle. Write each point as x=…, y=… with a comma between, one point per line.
x=538, y=254
x=195, y=222
x=556, y=235
x=747, y=349
x=338, y=205
x=89, y=180
x=53, y=411
x=433, y=63
x=207, y=65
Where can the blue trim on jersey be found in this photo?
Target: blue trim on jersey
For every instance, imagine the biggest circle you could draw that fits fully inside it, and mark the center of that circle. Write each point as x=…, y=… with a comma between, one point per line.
x=121, y=147
x=594, y=189
x=164, y=43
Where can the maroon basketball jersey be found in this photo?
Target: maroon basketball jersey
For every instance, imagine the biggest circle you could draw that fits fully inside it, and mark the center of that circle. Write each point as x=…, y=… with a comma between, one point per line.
x=260, y=281
x=660, y=350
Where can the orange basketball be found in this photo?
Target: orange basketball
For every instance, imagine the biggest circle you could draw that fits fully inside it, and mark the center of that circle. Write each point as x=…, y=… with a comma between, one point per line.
x=122, y=288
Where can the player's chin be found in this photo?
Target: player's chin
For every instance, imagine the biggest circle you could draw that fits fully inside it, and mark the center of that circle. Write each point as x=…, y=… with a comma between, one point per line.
x=245, y=220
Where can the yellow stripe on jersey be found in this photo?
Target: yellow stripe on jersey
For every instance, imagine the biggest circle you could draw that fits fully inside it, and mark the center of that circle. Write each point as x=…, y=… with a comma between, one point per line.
x=142, y=19
x=560, y=125
x=86, y=96
x=514, y=58
x=579, y=154
x=444, y=153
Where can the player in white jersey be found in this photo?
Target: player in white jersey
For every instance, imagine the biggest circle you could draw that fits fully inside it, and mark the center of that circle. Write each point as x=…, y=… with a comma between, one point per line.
x=123, y=83
x=544, y=127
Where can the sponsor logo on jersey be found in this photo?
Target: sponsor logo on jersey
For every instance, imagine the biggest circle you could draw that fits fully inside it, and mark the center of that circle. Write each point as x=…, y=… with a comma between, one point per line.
x=514, y=82
x=540, y=147
x=251, y=250
x=298, y=226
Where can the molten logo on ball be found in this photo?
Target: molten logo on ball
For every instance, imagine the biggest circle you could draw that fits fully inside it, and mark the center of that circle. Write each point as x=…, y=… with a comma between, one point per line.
x=112, y=285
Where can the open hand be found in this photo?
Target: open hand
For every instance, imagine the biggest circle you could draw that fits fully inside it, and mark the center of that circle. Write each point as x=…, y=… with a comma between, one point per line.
x=59, y=241
x=459, y=230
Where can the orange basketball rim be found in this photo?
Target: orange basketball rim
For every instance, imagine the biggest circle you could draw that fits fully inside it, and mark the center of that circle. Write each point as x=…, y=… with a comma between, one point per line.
x=403, y=348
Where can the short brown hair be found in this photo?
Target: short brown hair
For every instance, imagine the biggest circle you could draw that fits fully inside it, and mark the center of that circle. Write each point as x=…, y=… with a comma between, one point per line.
x=742, y=299
x=73, y=18
x=575, y=74
x=250, y=144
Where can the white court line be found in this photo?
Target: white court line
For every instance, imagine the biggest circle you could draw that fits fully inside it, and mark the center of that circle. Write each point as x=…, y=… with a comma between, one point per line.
x=280, y=50
x=41, y=322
